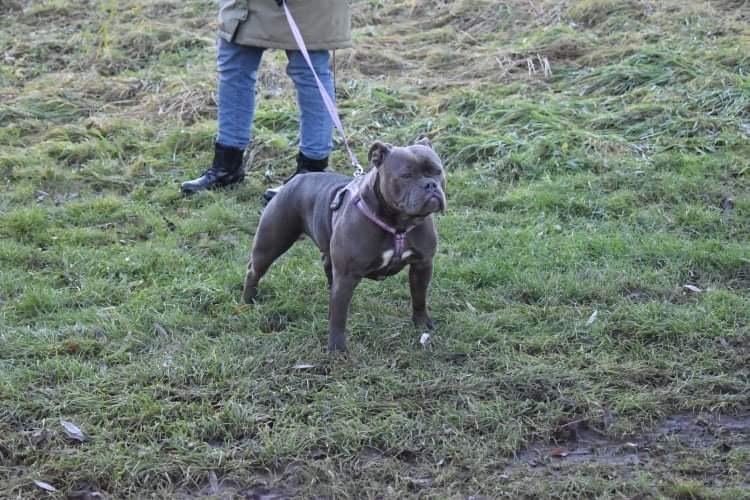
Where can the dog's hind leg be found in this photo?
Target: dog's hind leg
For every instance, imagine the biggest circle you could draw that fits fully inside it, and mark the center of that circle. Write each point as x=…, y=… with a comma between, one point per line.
x=328, y=268
x=272, y=239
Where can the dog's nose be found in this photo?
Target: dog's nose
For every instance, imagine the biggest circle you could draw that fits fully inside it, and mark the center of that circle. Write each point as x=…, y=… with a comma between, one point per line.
x=430, y=186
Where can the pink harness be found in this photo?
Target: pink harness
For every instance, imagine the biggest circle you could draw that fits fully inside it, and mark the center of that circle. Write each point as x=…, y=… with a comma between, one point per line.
x=399, y=237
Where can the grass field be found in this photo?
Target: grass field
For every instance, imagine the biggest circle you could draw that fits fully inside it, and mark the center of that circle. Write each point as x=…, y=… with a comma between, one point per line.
x=592, y=284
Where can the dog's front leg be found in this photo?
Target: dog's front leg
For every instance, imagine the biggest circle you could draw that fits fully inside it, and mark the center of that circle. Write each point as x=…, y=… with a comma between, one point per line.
x=342, y=290
x=420, y=275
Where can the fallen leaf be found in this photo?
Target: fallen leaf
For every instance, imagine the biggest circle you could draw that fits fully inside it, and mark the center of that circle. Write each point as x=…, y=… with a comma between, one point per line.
x=592, y=318
x=692, y=288
x=303, y=366
x=558, y=452
x=727, y=203
x=471, y=307
x=419, y=482
x=45, y=486
x=424, y=339
x=73, y=431
x=160, y=330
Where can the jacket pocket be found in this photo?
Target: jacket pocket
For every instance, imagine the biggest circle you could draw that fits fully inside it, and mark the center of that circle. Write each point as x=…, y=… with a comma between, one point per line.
x=231, y=14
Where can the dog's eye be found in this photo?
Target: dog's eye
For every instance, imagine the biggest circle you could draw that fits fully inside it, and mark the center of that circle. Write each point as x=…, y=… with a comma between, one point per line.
x=431, y=171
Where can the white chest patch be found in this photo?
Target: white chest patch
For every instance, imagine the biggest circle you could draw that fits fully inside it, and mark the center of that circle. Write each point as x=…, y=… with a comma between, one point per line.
x=387, y=256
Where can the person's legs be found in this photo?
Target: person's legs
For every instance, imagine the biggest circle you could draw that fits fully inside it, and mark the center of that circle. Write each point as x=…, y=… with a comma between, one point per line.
x=316, y=125
x=238, y=70
x=237, y=67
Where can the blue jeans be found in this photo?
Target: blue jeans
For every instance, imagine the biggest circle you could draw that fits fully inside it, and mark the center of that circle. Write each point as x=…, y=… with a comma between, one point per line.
x=238, y=69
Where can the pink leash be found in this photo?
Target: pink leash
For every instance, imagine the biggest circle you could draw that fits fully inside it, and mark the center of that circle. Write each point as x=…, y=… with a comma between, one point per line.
x=399, y=237
x=330, y=105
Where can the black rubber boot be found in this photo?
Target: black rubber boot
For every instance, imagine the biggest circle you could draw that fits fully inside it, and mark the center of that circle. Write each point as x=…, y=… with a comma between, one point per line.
x=304, y=166
x=226, y=169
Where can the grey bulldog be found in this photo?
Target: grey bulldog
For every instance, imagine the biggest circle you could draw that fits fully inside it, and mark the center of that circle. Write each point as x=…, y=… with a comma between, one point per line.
x=371, y=226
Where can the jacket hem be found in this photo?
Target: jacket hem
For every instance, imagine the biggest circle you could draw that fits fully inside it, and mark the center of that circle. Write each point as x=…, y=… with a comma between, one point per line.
x=275, y=44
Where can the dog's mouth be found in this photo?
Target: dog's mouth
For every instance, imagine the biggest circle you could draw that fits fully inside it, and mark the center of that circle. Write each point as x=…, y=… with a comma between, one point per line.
x=434, y=202
x=441, y=201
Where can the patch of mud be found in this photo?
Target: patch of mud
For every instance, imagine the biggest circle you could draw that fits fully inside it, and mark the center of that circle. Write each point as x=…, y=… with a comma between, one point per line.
x=675, y=434
x=227, y=489
x=703, y=431
x=585, y=447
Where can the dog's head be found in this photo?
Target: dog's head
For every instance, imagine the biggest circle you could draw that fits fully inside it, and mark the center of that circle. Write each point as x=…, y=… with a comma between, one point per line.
x=411, y=179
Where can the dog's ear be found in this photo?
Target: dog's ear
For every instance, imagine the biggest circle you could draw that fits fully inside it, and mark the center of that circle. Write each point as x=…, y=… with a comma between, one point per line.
x=424, y=141
x=378, y=152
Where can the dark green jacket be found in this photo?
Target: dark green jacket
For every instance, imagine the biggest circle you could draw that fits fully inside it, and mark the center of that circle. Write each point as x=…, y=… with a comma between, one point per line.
x=324, y=24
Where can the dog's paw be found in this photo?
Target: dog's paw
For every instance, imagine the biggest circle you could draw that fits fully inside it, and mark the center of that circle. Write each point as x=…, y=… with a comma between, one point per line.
x=249, y=295
x=337, y=344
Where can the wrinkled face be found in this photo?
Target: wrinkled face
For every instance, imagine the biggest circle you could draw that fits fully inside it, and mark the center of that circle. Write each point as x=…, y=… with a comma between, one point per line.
x=412, y=180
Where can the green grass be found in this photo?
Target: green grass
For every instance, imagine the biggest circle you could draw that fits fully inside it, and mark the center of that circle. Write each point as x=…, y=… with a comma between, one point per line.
x=596, y=187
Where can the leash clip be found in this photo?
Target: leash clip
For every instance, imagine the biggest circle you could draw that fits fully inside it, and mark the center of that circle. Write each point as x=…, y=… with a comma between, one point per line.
x=358, y=170
x=327, y=99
